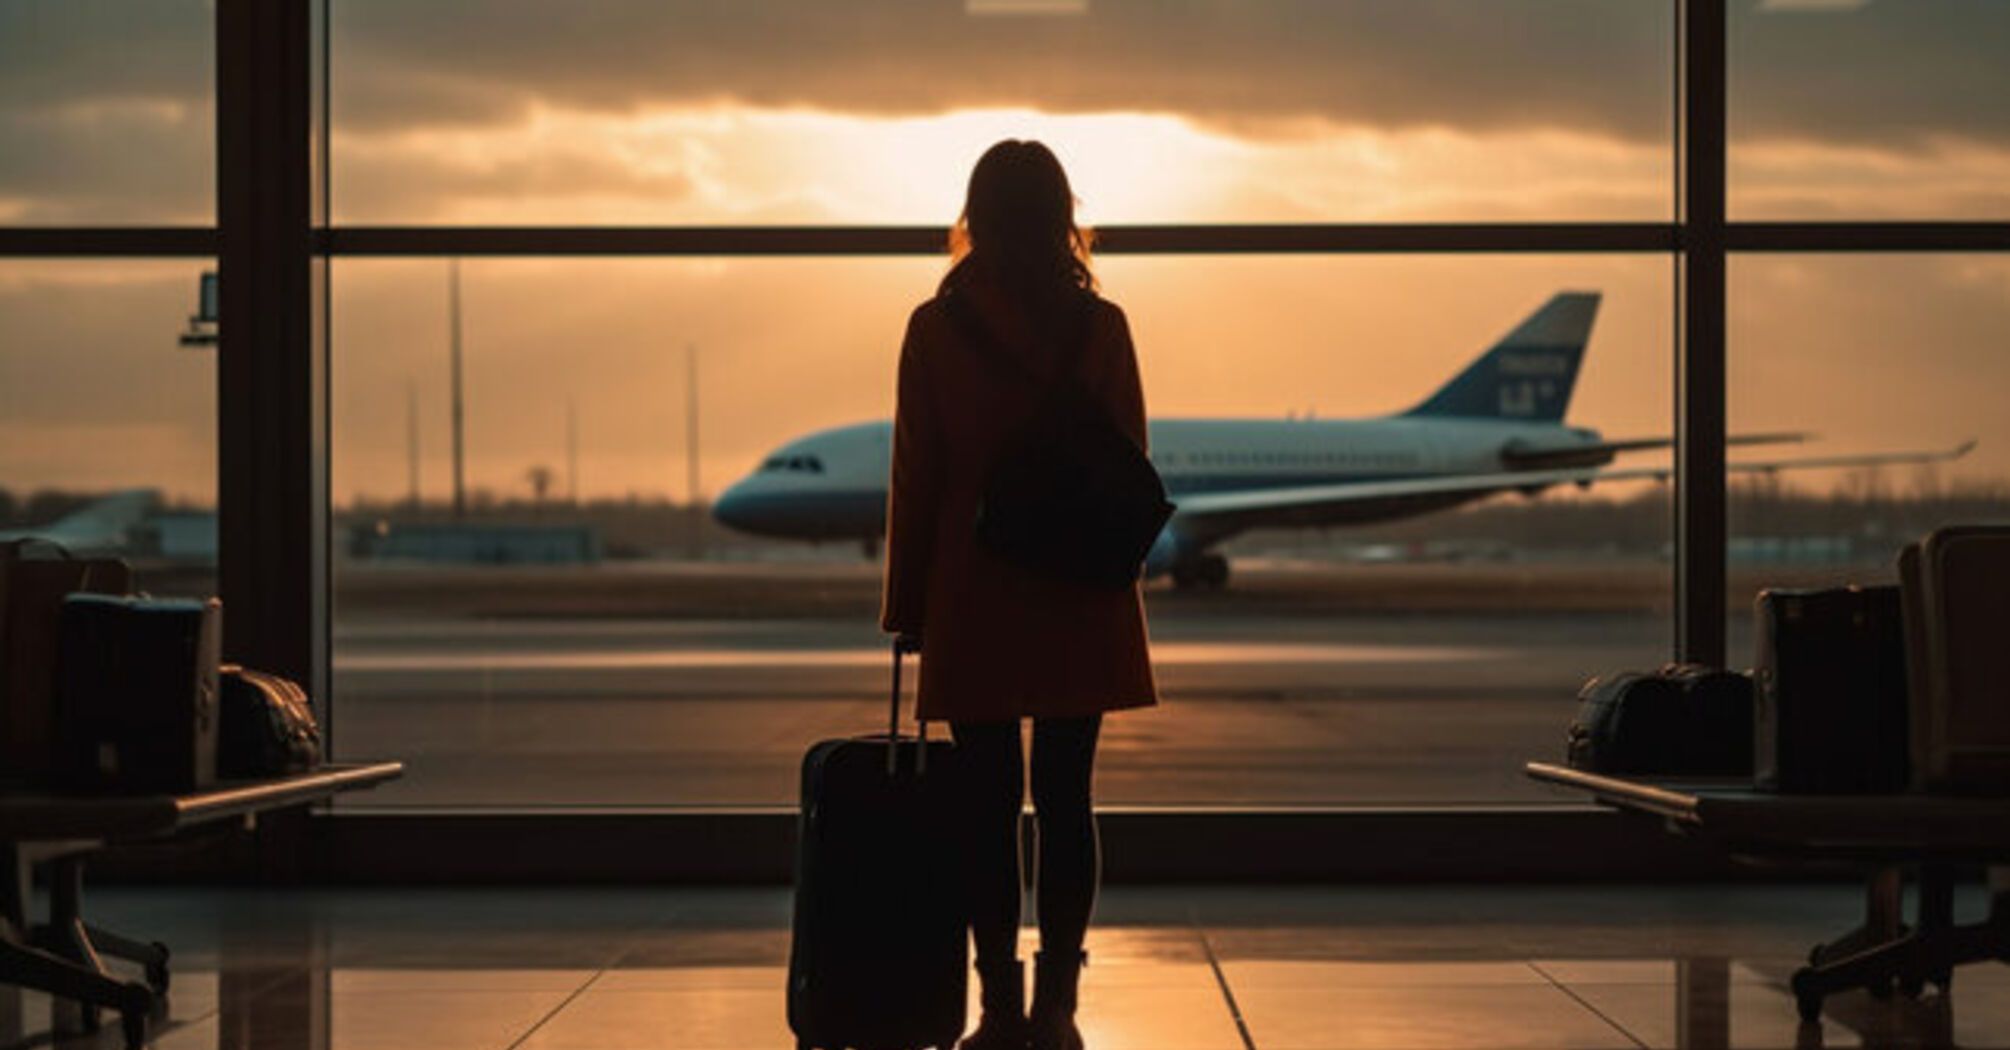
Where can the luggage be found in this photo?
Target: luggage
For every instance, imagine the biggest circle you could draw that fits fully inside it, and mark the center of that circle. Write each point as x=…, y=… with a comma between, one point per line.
x=1832, y=691
x=1684, y=719
x=1716, y=740
x=265, y=726
x=1957, y=599
x=136, y=685
x=879, y=956
x=34, y=579
x=1071, y=495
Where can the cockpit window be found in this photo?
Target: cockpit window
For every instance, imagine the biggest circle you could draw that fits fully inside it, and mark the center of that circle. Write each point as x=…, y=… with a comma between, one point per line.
x=798, y=464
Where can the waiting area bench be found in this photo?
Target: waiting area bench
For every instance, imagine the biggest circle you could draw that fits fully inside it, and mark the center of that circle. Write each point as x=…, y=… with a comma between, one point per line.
x=1936, y=835
x=62, y=956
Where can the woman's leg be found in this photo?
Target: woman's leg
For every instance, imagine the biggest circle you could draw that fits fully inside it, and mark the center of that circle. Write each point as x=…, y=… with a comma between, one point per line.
x=988, y=754
x=1064, y=760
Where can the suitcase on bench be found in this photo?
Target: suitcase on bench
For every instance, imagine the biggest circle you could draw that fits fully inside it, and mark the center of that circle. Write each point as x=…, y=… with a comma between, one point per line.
x=879, y=956
x=1957, y=603
x=1831, y=691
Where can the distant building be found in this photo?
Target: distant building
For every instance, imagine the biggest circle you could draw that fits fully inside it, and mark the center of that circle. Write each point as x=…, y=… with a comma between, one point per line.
x=178, y=536
x=477, y=544
x=1791, y=550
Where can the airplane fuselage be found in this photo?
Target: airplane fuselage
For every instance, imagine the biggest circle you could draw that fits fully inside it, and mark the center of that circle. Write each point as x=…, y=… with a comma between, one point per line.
x=831, y=485
x=1480, y=433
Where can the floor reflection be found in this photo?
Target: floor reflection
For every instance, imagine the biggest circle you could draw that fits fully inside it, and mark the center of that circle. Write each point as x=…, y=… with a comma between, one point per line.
x=1203, y=969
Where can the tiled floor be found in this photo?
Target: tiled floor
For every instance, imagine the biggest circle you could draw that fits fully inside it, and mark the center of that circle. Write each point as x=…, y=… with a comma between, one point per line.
x=1172, y=969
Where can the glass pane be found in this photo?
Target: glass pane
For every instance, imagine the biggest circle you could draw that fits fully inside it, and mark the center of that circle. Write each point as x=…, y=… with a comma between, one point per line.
x=107, y=424
x=871, y=111
x=1884, y=356
x=585, y=633
x=1849, y=109
x=107, y=112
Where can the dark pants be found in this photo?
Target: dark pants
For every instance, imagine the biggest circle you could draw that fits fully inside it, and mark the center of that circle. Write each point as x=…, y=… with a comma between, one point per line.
x=1064, y=758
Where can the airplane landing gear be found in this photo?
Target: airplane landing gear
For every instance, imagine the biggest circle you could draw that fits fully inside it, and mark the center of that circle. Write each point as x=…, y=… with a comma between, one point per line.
x=1209, y=571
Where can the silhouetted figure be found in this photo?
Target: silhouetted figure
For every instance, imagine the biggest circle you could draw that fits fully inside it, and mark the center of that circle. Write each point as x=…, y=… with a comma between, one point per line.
x=1001, y=643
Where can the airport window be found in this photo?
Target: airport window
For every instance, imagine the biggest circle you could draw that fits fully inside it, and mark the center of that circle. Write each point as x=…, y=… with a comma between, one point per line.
x=1405, y=685
x=109, y=467
x=1869, y=111
x=108, y=108
x=1817, y=346
x=456, y=111
x=624, y=237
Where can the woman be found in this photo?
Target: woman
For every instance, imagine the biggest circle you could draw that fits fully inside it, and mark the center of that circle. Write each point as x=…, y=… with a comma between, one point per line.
x=1003, y=644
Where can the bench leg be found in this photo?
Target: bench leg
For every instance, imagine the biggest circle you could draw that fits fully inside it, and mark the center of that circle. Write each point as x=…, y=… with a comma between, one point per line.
x=151, y=955
x=64, y=937
x=1928, y=954
x=59, y=958
x=67, y=981
x=14, y=888
x=1883, y=919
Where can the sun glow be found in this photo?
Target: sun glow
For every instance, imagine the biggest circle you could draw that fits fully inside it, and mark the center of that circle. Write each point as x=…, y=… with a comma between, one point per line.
x=736, y=164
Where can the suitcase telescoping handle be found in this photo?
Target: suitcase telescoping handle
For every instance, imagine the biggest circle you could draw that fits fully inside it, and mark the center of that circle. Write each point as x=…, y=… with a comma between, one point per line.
x=902, y=645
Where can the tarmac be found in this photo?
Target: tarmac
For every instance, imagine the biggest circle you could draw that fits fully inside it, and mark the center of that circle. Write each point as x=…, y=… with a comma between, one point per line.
x=1303, y=685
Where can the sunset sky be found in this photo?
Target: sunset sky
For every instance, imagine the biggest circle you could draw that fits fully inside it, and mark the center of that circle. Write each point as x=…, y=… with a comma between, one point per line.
x=871, y=111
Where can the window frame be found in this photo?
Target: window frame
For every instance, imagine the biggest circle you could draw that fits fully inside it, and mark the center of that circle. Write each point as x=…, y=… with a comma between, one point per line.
x=272, y=209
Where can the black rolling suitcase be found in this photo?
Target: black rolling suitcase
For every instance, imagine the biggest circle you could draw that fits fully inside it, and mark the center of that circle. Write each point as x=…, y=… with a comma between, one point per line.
x=879, y=958
x=1832, y=691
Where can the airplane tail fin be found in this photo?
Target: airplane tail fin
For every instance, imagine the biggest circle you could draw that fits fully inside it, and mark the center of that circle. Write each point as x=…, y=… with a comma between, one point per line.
x=1529, y=374
x=109, y=515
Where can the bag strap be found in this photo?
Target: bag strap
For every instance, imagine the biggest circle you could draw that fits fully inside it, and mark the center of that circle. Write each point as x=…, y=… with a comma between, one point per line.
x=989, y=347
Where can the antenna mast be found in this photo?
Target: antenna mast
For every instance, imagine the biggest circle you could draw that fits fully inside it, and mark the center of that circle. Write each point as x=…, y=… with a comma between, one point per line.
x=572, y=449
x=692, y=493
x=454, y=344
x=412, y=443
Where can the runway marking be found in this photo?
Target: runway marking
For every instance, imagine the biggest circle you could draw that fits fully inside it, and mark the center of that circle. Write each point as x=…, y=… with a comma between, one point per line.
x=1164, y=654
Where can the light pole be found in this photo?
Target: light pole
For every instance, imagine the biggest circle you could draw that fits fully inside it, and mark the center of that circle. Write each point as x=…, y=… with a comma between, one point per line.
x=693, y=496
x=459, y=420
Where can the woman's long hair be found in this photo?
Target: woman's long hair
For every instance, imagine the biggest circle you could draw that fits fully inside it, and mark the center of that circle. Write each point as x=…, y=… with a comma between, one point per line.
x=1018, y=224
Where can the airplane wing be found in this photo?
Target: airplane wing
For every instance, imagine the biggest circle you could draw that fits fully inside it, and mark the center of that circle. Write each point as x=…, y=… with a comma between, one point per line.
x=1600, y=453
x=1252, y=507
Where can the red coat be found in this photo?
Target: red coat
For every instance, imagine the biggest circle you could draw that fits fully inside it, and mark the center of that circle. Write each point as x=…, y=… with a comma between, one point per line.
x=1000, y=643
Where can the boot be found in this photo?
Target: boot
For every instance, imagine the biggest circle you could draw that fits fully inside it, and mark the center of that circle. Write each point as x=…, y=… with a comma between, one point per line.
x=1003, y=993
x=1052, y=1022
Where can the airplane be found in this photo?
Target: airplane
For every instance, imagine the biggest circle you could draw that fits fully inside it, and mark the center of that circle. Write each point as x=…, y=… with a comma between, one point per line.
x=1498, y=426
x=101, y=527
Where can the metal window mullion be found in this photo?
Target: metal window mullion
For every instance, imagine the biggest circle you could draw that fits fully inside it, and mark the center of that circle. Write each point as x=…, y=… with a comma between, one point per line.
x=1169, y=239
x=269, y=405
x=162, y=242
x=1701, y=523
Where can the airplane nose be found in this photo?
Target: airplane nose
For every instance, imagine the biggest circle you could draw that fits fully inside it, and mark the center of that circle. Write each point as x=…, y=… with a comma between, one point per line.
x=734, y=509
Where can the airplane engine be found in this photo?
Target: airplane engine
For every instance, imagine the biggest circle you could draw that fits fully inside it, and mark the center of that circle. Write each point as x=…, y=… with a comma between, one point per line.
x=1189, y=563
x=1167, y=550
